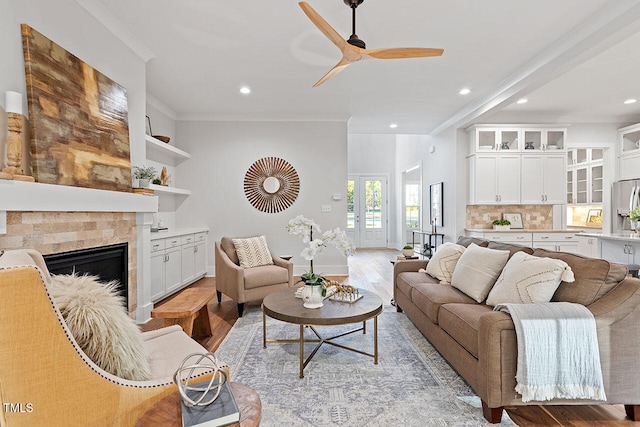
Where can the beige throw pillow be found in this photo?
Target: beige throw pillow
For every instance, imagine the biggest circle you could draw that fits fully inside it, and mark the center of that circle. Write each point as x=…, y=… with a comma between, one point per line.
x=443, y=262
x=253, y=252
x=477, y=271
x=527, y=279
x=98, y=321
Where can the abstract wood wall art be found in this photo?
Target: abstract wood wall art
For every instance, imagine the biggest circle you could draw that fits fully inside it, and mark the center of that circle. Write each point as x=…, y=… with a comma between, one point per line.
x=78, y=119
x=271, y=184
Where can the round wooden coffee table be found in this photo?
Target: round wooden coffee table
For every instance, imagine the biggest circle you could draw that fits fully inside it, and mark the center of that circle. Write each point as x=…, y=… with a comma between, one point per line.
x=283, y=305
x=166, y=412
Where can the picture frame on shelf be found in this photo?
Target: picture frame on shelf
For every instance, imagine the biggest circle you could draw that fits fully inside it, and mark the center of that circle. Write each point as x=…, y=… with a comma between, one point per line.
x=514, y=218
x=594, y=217
x=436, y=198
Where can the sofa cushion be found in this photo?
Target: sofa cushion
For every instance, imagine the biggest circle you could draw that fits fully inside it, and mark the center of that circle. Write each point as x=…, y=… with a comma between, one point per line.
x=428, y=297
x=443, y=262
x=226, y=243
x=466, y=241
x=593, y=277
x=527, y=279
x=406, y=281
x=253, y=252
x=477, y=270
x=96, y=317
x=462, y=322
x=512, y=248
x=265, y=275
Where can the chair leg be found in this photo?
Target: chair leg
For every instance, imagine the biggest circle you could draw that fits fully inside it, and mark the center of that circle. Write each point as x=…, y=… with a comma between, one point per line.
x=219, y=296
x=633, y=412
x=240, y=309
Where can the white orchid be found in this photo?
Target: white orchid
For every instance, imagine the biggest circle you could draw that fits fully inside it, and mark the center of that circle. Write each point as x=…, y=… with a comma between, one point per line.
x=305, y=227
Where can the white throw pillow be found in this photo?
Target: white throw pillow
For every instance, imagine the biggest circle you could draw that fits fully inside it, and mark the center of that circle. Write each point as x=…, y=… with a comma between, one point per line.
x=253, y=252
x=443, y=262
x=96, y=317
x=477, y=270
x=527, y=279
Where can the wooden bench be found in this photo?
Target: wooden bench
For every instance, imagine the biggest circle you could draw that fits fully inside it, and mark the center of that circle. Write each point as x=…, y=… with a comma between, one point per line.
x=184, y=308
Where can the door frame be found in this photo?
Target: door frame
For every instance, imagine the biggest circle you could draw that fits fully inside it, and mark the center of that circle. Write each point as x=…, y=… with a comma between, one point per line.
x=357, y=184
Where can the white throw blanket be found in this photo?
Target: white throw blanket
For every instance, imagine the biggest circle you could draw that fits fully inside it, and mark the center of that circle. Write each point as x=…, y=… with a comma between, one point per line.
x=557, y=351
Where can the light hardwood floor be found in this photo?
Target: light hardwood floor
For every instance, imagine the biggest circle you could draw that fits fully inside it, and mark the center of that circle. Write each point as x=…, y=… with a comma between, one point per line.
x=371, y=269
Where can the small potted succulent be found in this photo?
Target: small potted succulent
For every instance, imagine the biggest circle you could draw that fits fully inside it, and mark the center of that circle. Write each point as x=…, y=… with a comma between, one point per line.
x=501, y=224
x=143, y=175
x=407, y=251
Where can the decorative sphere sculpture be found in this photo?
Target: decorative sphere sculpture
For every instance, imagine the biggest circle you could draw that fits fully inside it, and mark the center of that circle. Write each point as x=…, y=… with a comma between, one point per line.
x=192, y=366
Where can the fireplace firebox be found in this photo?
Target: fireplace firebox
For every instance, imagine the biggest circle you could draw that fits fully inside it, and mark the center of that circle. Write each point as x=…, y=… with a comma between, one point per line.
x=107, y=262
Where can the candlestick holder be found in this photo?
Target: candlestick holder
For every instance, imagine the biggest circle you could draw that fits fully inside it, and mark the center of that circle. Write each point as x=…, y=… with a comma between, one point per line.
x=14, y=149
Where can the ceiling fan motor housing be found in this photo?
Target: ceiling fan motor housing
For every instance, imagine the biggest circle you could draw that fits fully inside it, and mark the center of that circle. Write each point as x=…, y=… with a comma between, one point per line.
x=353, y=3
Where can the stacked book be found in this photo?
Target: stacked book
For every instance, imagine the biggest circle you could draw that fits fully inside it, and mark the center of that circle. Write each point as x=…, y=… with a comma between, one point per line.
x=221, y=412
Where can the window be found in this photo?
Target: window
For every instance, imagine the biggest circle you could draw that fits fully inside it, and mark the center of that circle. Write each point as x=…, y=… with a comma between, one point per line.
x=412, y=205
x=351, y=215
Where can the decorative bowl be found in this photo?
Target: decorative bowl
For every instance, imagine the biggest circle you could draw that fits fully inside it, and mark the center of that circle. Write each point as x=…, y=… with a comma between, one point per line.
x=162, y=138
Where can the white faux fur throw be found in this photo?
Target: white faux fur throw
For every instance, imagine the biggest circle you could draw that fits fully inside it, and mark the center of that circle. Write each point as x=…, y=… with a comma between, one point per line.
x=558, y=353
x=95, y=315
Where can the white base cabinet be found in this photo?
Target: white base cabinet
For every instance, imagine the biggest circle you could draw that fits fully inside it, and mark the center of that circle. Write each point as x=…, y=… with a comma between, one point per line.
x=176, y=262
x=588, y=246
x=562, y=242
x=620, y=251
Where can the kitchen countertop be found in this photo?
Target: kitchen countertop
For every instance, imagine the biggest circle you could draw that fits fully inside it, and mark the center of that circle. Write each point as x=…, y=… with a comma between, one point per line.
x=521, y=230
x=628, y=236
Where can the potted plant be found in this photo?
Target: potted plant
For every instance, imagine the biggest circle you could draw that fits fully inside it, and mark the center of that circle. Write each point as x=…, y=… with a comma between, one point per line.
x=634, y=218
x=501, y=224
x=407, y=251
x=315, y=289
x=144, y=175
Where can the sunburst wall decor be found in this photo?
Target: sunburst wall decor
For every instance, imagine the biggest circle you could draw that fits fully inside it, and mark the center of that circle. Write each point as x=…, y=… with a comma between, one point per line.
x=271, y=184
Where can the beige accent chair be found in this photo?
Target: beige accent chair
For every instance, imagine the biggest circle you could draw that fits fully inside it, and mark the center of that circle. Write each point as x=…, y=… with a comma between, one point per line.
x=49, y=380
x=248, y=284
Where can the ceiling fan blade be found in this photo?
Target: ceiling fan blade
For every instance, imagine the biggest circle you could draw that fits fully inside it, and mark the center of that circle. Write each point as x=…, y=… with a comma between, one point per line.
x=332, y=72
x=404, y=52
x=323, y=25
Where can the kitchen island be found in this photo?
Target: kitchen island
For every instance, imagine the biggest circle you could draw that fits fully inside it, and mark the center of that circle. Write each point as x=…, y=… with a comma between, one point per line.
x=619, y=247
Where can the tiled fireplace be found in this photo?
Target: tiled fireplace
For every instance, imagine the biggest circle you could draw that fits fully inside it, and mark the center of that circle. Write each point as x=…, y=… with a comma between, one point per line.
x=56, y=218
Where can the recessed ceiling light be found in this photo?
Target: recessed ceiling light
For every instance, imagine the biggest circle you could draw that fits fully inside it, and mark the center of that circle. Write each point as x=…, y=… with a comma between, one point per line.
x=465, y=91
x=631, y=101
x=245, y=90
x=523, y=101
x=393, y=125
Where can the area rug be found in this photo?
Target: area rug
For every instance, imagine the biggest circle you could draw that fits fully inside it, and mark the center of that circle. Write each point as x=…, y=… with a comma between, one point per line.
x=412, y=385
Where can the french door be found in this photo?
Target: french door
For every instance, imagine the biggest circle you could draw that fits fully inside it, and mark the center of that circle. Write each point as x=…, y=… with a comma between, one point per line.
x=367, y=210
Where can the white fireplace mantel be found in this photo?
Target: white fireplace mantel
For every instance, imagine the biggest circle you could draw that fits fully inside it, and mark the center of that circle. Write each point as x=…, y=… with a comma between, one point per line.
x=37, y=197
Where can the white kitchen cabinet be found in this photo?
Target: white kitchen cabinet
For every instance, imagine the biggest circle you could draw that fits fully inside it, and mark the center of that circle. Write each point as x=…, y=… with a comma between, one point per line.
x=588, y=246
x=629, y=152
x=585, y=176
x=521, y=138
x=558, y=241
x=543, y=178
x=621, y=251
x=495, y=179
x=177, y=261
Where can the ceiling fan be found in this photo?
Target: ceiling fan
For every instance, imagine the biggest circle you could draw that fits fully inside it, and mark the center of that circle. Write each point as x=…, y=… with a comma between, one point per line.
x=354, y=49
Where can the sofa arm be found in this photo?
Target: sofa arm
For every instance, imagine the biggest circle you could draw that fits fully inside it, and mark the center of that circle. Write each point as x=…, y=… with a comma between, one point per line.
x=407, y=265
x=496, y=341
x=229, y=276
x=617, y=303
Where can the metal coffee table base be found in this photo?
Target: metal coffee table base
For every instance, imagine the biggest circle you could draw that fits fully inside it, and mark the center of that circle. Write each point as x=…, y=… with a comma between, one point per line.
x=304, y=362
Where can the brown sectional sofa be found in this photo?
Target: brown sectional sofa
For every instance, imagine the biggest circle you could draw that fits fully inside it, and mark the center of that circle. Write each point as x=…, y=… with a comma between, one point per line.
x=481, y=343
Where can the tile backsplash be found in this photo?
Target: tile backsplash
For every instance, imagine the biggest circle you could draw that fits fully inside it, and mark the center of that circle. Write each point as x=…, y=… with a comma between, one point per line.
x=534, y=217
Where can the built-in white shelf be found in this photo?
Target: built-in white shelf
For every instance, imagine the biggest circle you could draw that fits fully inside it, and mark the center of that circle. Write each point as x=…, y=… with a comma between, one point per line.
x=162, y=189
x=162, y=152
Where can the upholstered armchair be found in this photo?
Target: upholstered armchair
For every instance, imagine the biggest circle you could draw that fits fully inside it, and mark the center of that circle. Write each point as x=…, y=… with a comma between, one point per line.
x=45, y=376
x=244, y=284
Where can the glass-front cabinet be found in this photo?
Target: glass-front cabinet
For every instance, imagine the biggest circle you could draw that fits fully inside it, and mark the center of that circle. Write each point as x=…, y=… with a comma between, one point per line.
x=629, y=152
x=523, y=138
x=584, y=176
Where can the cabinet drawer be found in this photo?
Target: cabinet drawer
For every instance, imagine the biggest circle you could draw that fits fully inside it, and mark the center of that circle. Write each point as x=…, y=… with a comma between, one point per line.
x=188, y=239
x=555, y=237
x=201, y=237
x=172, y=242
x=157, y=245
x=523, y=238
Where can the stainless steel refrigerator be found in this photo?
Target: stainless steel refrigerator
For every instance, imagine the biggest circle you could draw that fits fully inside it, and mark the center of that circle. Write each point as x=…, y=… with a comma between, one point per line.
x=625, y=197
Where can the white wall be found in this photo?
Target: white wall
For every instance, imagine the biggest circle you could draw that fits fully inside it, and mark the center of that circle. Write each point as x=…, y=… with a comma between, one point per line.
x=67, y=24
x=221, y=154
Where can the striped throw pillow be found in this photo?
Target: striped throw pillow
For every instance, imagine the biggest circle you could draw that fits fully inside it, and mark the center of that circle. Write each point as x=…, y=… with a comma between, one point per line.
x=253, y=252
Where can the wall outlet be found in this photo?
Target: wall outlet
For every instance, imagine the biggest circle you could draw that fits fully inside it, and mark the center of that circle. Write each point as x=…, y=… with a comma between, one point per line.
x=485, y=217
x=326, y=208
